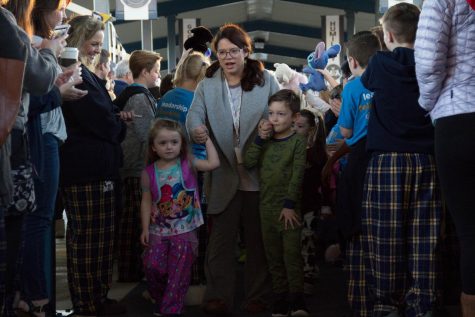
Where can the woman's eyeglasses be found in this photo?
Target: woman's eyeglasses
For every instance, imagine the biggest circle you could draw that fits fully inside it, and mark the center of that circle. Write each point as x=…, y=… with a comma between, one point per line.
x=234, y=52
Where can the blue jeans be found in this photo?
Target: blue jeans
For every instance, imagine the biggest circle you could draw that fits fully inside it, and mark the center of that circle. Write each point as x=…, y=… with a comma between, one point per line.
x=35, y=273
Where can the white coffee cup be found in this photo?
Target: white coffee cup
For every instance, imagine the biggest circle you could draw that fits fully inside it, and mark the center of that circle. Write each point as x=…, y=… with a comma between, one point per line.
x=69, y=56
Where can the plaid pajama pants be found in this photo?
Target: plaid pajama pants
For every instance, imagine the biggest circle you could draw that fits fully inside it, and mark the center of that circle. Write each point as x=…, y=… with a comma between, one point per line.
x=401, y=227
x=356, y=266
x=129, y=249
x=90, y=209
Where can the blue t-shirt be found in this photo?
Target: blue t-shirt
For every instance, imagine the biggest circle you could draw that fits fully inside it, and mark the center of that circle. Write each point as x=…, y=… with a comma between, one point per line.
x=354, y=113
x=174, y=105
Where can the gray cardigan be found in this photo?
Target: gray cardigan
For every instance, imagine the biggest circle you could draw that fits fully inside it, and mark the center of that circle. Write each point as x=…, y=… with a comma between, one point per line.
x=210, y=106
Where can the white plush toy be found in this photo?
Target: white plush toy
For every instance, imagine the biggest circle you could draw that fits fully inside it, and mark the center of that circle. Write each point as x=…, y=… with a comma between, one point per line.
x=289, y=78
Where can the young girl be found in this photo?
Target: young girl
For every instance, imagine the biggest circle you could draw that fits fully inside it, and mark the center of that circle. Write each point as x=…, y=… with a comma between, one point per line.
x=171, y=214
x=313, y=128
x=280, y=159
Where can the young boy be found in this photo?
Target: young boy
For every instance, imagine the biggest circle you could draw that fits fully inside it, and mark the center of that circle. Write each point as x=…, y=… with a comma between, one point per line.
x=145, y=68
x=353, y=122
x=281, y=162
x=401, y=206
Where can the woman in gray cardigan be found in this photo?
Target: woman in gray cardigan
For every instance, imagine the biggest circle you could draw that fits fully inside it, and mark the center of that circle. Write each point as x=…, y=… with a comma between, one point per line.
x=228, y=105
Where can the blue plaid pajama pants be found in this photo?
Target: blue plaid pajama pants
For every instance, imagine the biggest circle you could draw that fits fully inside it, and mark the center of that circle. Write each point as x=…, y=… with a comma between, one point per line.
x=401, y=228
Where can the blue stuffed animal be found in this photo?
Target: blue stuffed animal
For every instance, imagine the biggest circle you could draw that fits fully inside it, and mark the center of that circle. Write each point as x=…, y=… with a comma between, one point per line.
x=318, y=60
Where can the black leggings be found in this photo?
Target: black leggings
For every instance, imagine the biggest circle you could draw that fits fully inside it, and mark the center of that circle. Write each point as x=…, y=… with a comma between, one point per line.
x=455, y=155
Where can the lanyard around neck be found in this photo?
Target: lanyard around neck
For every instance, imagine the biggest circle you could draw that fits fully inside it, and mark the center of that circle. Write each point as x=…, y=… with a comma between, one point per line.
x=235, y=110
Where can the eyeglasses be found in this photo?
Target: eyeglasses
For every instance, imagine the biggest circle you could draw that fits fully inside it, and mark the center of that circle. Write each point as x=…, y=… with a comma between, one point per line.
x=234, y=52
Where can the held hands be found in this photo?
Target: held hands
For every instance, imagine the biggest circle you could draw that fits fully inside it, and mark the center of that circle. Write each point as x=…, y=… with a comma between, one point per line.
x=66, y=82
x=264, y=129
x=200, y=134
x=290, y=218
x=332, y=148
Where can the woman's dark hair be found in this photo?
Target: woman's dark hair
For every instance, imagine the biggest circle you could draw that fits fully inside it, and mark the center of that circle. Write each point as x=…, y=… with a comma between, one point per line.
x=43, y=7
x=253, y=69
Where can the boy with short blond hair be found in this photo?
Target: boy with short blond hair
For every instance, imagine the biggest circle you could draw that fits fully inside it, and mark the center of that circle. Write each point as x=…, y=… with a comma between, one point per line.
x=402, y=209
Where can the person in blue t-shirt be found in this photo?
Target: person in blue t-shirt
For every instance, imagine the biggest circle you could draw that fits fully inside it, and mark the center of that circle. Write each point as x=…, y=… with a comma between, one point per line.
x=353, y=123
x=174, y=105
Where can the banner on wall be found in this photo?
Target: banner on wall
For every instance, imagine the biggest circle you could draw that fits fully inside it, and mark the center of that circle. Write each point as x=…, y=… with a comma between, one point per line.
x=136, y=9
x=333, y=33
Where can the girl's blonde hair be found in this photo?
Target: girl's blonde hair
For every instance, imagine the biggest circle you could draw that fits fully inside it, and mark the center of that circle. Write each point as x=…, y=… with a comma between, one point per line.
x=193, y=68
x=158, y=125
x=82, y=29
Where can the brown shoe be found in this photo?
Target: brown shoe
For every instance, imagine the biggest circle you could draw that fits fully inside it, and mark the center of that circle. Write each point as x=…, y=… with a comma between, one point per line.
x=255, y=307
x=216, y=307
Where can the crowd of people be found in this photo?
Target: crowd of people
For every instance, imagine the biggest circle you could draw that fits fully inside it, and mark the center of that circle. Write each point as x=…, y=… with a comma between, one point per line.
x=169, y=181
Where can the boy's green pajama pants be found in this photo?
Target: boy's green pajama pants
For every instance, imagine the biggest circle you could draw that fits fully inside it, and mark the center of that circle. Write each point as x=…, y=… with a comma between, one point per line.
x=284, y=253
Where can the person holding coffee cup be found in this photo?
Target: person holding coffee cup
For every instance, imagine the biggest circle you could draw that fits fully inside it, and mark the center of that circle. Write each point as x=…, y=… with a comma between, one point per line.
x=69, y=56
x=46, y=131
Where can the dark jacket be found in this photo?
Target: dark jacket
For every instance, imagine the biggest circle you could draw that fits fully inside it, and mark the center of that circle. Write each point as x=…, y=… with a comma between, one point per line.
x=92, y=150
x=397, y=123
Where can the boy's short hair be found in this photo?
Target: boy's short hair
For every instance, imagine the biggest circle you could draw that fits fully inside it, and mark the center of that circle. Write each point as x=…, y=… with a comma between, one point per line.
x=289, y=97
x=362, y=46
x=401, y=20
x=140, y=60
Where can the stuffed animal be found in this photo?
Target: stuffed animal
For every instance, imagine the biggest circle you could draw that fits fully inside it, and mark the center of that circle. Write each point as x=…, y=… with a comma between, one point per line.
x=289, y=78
x=197, y=42
x=318, y=60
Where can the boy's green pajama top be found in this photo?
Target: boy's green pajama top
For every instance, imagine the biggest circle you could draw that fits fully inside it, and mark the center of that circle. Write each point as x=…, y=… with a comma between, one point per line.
x=281, y=164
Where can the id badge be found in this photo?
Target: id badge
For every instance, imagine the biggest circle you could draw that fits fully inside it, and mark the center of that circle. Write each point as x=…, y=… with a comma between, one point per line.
x=237, y=150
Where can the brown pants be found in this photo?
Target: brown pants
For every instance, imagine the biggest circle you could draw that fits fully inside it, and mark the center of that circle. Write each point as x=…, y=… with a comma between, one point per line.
x=220, y=260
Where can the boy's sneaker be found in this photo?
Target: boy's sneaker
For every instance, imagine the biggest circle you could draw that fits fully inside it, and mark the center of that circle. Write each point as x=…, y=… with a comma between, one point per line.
x=298, y=307
x=281, y=309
